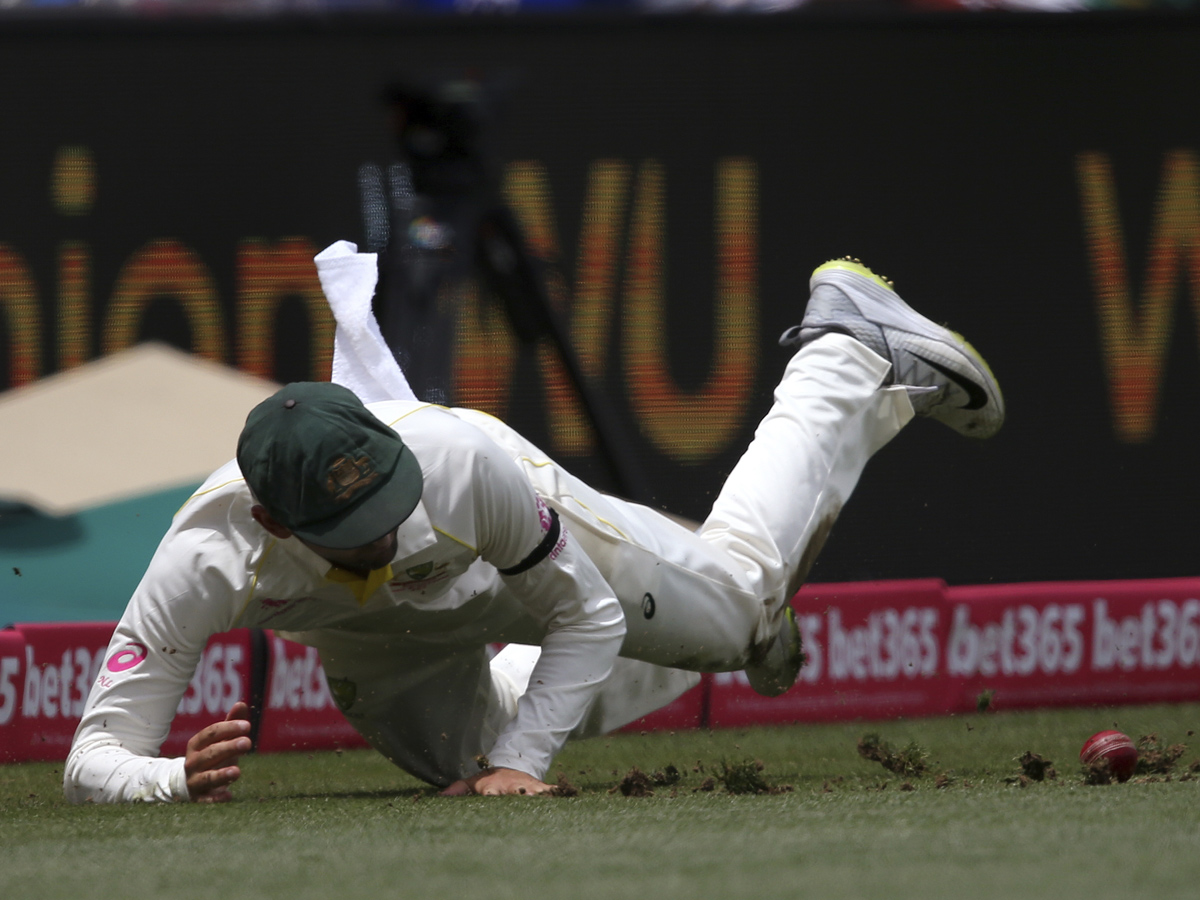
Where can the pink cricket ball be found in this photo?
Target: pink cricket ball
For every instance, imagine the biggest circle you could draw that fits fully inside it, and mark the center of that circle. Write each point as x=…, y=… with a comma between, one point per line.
x=1115, y=747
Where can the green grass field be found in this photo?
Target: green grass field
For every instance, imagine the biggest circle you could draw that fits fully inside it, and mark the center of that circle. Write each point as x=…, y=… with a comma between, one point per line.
x=349, y=825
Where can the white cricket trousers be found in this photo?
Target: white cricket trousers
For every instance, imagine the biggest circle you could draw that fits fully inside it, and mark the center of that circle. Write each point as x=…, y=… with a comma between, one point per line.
x=693, y=602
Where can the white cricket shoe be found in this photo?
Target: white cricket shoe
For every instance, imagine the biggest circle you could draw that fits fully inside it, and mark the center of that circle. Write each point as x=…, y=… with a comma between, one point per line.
x=946, y=377
x=774, y=670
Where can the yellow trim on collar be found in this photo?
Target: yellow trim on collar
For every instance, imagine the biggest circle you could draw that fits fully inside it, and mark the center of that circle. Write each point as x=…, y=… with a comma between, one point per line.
x=456, y=540
x=199, y=493
x=392, y=423
x=362, y=588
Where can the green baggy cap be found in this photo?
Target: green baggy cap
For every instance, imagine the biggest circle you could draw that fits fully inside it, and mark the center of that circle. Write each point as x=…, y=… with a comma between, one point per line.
x=325, y=468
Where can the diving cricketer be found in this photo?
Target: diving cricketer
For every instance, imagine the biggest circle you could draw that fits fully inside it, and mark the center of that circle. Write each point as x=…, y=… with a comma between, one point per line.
x=401, y=539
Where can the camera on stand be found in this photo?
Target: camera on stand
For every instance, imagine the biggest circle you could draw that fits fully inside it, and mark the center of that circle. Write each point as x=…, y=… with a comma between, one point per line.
x=446, y=221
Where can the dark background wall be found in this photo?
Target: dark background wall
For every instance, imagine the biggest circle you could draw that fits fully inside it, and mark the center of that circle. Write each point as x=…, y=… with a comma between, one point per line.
x=965, y=158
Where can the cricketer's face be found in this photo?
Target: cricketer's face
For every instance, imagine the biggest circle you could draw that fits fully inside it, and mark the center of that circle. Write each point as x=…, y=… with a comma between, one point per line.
x=366, y=558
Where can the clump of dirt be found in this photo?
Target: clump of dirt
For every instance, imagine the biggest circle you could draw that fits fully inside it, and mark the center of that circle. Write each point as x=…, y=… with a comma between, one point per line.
x=909, y=761
x=563, y=788
x=1098, y=771
x=1037, y=768
x=744, y=777
x=667, y=777
x=943, y=780
x=1154, y=758
x=708, y=784
x=984, y=701
x=637, y=783
x=747, y=778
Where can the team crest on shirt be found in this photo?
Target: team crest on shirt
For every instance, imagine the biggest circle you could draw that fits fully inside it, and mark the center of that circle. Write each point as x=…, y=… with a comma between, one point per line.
x=416, y=579
x=420, y=572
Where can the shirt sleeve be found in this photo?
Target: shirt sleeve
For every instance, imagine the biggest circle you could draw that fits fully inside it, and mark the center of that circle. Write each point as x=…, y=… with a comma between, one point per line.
x=565, y=592
x=180, y=603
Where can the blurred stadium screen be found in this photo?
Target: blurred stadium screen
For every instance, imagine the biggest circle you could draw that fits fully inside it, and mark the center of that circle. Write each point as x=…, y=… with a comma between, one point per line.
x=1035, y=181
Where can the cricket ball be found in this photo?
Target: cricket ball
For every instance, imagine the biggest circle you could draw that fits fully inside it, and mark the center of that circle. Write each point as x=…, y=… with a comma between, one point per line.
x=1113, y=747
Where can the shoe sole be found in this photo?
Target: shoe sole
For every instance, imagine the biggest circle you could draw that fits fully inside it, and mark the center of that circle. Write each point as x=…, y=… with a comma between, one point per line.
x=878, y=303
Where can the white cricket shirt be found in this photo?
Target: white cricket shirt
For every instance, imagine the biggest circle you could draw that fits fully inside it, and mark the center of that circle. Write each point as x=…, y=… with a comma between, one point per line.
x=218, y=569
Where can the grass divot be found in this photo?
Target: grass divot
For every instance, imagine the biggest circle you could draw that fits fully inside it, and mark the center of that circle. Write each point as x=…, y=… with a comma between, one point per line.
x=637, y=783
x=1156, y=759
x=910, y=761
x=747, y=778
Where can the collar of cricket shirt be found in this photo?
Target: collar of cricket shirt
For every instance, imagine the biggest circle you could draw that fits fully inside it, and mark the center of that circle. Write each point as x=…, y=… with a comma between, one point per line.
x=415, y=534
x=362, y=588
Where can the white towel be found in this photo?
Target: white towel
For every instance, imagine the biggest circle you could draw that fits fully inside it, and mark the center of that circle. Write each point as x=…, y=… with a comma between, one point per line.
x=362, y=360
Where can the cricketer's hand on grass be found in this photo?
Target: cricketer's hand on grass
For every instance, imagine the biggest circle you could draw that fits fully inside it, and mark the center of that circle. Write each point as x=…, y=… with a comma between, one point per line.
x=495, y=781
x=212, y=756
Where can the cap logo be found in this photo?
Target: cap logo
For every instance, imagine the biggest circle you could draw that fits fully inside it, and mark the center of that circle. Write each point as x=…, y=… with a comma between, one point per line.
x=349, y=476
